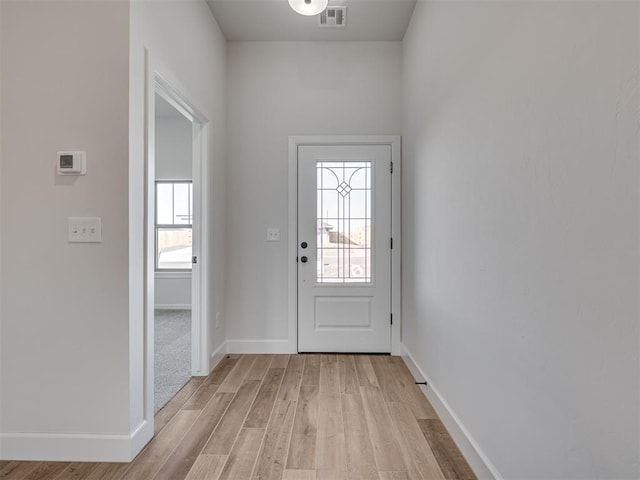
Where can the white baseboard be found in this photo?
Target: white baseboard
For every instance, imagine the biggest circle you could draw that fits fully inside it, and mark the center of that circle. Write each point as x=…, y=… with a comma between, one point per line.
x=139, y=438
x=217, y=355
x=186, y=306
x=477, y=459
x=51, y=447
x=259, y=346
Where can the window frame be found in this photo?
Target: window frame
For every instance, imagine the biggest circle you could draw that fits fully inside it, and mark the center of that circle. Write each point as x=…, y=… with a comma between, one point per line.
x=171, y=226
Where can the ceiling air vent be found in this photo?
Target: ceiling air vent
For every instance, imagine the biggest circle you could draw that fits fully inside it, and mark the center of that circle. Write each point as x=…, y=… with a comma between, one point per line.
x=333, y=17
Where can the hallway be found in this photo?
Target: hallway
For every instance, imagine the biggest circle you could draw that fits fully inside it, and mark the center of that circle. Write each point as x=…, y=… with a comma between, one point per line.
x=298, y=417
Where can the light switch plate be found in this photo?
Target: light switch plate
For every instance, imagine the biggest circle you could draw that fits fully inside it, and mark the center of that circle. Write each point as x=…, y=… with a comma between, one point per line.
x=273, y=234
x=85, y=229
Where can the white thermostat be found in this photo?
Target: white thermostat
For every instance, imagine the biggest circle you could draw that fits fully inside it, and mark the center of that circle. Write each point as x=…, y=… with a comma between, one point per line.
x=72, y=163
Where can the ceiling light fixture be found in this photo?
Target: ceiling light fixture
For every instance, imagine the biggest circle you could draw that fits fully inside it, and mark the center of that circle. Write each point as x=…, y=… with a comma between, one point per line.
x=308, y=7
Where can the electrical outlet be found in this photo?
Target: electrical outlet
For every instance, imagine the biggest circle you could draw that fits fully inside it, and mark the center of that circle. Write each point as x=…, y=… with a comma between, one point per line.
x=85, y=229
x=273, y=234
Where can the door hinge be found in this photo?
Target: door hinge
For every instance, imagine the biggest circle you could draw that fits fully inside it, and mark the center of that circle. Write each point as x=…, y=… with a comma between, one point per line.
x=392, y=319
x=390, y=167
x=391, y=243
x=194, y=259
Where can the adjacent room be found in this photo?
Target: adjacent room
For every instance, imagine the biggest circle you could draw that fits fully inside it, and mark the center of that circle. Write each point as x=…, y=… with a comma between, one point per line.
x=300, y=239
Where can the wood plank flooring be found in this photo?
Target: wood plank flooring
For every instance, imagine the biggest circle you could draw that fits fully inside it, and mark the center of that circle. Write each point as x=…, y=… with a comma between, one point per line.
x=286, y=417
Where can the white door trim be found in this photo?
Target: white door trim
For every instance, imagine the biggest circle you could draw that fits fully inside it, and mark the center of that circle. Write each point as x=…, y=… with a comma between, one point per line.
x=394, y=141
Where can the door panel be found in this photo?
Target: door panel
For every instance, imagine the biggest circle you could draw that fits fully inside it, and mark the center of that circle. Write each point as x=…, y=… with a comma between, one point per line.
x=344, y=231
x=337, y=312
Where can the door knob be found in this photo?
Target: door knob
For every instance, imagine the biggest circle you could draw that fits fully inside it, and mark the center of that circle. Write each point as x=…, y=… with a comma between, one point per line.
x=304, y=245
x=303, y=259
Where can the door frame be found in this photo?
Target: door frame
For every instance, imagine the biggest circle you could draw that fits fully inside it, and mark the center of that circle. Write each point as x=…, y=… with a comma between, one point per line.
x=395, y=142
x=158, y=84
x=199, y=342
x=141, y=254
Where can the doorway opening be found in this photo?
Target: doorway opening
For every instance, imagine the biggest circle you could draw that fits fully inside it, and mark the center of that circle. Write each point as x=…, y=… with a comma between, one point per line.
x=176, y=333
x=173, y=236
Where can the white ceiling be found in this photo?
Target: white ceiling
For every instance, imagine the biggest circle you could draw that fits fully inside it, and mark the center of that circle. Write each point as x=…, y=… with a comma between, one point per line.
x=274, y=20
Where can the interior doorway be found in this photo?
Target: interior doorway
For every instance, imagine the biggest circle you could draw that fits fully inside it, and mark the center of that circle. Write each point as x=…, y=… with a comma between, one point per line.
x=176, y=332
x=173, y=238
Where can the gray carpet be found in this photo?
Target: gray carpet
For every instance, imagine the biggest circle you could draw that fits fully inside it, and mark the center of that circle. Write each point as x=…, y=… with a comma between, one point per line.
x=172, y=354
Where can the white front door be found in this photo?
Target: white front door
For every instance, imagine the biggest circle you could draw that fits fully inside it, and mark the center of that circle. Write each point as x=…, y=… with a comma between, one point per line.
x=344, y=251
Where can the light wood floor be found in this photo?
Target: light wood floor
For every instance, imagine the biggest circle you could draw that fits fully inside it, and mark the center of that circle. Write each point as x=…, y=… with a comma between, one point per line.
x=298, y=417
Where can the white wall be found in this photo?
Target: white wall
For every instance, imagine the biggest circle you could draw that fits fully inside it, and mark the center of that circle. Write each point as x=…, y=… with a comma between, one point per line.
x=182, y=41
x=64, y=330
x=521, y=228
x=174, y=138
x=173, y=291
x=277, y=89
x=173, y=148
x=84, y=358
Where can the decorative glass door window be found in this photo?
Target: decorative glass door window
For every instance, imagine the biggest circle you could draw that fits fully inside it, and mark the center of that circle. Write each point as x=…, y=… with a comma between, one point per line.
x=174, y=233
x=344, y=224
